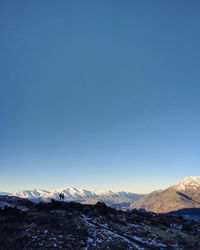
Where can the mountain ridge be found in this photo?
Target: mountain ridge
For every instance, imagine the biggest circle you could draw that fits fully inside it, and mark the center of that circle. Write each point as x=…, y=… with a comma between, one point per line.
x=183, y=194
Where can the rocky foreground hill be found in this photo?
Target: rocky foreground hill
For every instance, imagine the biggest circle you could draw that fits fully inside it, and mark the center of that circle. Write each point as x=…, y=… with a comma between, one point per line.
x=74, y=226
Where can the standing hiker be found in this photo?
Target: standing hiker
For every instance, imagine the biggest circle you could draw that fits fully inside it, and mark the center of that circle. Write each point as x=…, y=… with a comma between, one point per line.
x=61, y=197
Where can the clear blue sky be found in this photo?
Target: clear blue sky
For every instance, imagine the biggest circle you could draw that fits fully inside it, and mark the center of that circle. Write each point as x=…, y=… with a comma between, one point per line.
x=99, y=94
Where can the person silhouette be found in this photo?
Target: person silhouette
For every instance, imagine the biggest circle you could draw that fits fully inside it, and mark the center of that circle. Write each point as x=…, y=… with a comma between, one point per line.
x=61, y=197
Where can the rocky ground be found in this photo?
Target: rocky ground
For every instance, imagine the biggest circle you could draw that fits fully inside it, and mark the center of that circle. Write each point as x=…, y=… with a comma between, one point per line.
x=75, y=226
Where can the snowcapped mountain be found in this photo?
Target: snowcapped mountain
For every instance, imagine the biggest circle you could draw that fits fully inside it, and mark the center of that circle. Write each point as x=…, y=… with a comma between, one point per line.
x=183, y=194
x=31, y=194
x=114, y=199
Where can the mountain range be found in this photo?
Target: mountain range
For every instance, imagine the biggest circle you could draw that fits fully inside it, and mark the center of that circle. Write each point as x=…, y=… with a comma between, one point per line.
x=114, y=199
x=183, y=194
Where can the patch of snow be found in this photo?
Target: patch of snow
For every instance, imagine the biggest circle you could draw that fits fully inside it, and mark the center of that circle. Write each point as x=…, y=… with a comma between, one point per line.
x=176, y=226
x=188, y=182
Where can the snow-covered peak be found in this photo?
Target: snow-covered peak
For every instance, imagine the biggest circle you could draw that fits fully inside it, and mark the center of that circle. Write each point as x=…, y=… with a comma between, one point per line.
x=31, y=194
x=188, y=182
x=104, y=192
x=77, y=193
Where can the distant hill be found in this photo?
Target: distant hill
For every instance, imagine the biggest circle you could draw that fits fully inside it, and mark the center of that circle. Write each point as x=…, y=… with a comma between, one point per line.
x=184, y=194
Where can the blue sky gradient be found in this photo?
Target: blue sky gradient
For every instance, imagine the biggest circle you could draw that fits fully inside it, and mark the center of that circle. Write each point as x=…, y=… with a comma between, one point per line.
x=99, y=94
